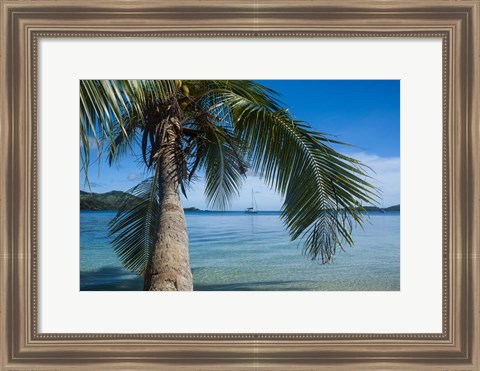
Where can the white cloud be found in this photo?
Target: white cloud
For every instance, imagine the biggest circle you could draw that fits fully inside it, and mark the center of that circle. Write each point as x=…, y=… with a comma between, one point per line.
x=92, y=143
x=385, y=174
x=133, y=176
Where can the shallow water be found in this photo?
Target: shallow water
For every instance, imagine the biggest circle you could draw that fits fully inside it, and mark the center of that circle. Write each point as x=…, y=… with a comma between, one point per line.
x=237, y=251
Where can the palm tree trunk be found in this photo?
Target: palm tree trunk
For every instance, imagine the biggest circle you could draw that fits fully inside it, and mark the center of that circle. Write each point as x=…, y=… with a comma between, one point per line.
x=169, y=267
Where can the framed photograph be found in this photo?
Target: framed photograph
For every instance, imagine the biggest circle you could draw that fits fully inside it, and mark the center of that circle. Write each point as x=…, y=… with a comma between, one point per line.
x=241, y=185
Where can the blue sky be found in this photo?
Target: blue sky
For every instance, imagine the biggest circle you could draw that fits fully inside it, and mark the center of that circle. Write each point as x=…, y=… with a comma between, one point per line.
x=363, y=113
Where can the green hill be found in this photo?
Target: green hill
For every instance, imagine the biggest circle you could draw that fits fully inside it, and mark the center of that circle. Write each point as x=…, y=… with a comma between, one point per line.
x=393, y=208
x=380, y=209
x=114, y=199
x=110, y=201
x=105, y=201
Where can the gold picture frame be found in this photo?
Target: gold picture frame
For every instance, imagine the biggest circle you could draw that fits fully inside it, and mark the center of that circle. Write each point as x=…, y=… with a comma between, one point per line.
x=24, y=23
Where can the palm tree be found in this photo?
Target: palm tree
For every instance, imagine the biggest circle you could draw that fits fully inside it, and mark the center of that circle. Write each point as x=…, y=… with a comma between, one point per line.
x=222, y=128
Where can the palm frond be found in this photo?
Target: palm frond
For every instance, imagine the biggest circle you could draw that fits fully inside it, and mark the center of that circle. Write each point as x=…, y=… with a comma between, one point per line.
x=124, y=140
x=107, y=107
x=134, y=230
x=322, y=188
x=225, y=170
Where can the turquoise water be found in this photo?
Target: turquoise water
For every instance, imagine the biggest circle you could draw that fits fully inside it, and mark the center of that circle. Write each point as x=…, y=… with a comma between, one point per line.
x=237, y=251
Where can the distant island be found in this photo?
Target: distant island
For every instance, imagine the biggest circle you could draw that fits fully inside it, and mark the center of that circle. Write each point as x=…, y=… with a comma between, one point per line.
x=110, y=201
x=113, y=199
x=191, y=209
x=380, y=209
x=105, y=201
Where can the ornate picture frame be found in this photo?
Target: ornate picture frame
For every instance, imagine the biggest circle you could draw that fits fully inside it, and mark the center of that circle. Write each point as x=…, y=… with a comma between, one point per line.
x=24, y=23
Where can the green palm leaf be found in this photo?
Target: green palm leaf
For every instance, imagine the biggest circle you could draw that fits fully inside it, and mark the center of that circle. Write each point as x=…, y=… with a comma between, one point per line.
x=223, y=153
x=135, y=230
x=225, y=170
x=322, y=188
x=109, y=107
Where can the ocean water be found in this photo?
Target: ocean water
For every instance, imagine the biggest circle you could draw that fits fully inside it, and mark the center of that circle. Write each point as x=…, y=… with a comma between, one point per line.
x=236, y=251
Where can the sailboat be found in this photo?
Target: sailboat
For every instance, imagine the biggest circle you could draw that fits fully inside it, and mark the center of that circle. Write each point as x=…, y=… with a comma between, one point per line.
x=382, y=210
x=254, y=208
